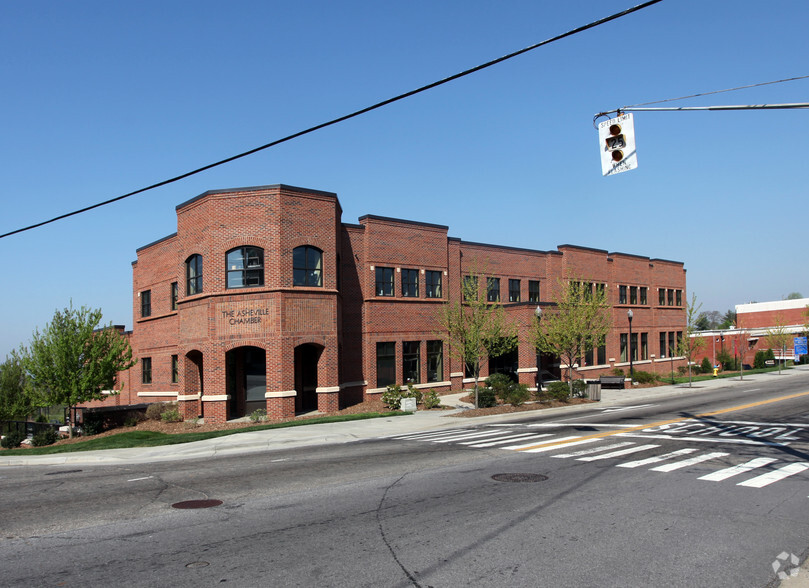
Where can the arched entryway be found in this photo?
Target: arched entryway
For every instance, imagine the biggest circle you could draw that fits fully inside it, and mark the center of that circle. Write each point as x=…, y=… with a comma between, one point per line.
x=193, y=376
x=306, y=360
x=246, y=380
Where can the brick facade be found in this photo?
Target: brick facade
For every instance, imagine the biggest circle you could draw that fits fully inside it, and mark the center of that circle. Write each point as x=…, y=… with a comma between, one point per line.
x=290, y=346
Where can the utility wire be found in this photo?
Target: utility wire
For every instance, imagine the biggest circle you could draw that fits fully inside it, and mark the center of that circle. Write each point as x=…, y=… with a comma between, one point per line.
x=343, y=118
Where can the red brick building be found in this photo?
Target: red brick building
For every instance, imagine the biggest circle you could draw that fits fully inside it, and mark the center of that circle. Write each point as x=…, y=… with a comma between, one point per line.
x=264, y=298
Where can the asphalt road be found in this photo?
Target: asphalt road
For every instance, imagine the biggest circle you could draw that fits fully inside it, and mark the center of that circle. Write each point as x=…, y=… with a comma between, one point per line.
x=690, y=491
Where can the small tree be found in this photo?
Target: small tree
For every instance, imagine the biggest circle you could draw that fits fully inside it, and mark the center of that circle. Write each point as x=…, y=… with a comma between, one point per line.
x=689, y=346
x=476, y=329
x=15, y=400
x=778, y=338
x=581, y=321
x=73, y=361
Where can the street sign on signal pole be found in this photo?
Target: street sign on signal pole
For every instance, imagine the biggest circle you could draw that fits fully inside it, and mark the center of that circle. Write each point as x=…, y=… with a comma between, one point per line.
x=617, y=139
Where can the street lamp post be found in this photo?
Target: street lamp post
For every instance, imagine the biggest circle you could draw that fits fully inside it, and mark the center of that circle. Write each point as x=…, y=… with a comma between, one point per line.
x=538, y=314
x=631, y=368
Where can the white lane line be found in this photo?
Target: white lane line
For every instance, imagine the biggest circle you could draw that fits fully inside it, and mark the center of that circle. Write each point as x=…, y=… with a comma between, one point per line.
x=277, y=460
x=618, y=453
x=593, y=450
x=618, y=425
x=509, y=439
x=774, y=476
x=428, y=435
x=657, y=458
x=670, y=467
x=622, y=408
x=703, y=439
x=139, y=479
x=741, y=468
x=765, y=424
x=467, y=436
x=542, y=446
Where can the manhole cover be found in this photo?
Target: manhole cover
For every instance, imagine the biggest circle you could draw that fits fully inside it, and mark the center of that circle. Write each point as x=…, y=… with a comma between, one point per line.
x=519, y=478
x=197, y=504
x=197, y=564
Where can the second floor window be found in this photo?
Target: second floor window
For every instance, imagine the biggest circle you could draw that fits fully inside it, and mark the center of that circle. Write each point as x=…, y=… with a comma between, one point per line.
x=245, y=267
x=643, y=295
x=384, y=281
x=621, y=294
x=175, y=294
x=146, y=370
x=193, y=275
x=493, y=289
x=307, y=266
x=533, y=290
x=513, y=290
x=146, y=303
x=433, y=285
x=410, y=283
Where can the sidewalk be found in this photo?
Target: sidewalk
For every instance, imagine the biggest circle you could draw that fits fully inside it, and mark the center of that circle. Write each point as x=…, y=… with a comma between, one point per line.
x=350, y=431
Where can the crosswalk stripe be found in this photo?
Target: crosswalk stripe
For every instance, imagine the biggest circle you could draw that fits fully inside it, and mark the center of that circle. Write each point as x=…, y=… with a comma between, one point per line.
x=618, y=453
x=657, y=458
x=504, y=440
x=467, y=436
x=774, y=476
x=741, y=468
x=669, y=467
x=428, y=434
x=554, y=444
x=593, y=450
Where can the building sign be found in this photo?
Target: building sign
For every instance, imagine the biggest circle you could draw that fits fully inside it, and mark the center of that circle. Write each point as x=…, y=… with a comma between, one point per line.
x=245, y=317
x=800, y=346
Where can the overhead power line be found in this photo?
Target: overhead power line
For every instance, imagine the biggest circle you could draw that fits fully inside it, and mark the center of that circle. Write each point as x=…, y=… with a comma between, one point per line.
x=729, y=107
x=342, y=118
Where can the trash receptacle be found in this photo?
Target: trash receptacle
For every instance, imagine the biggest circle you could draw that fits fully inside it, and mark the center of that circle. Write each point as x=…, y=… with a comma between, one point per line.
x=594, y=390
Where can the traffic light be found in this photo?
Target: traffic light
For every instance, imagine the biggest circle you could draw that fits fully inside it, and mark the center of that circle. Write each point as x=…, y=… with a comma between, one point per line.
x=617, y=138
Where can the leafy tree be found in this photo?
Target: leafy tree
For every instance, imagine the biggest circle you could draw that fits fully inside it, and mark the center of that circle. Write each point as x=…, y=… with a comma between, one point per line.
x=15, y=400
x=728, y=320
x=778, y=337
x=689, y=346
x=793, y=296
x=73, y=361
x=580, y=321
x=476, y=329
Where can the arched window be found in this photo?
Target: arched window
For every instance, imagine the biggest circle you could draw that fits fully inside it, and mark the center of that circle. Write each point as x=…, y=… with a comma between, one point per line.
x=193, y=275
x=307, y=266
x=245, y=267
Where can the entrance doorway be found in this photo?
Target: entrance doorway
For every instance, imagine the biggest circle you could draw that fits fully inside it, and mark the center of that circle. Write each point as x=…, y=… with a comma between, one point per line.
x=193, y=377
x=306, y=359
x=246, y=380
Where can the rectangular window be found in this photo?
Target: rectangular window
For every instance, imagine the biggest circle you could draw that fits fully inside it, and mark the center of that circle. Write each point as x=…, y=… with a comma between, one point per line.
x=411, y=362
x=175, y=369
x=146, y=370
x=672, y=348
x=670, y=297
x=175, y=295
x=678, y=298
x=410, y=283
x=644, y=345
x=678, y=339
x=661, y=296
x=513, y=290
x=533, y=290
x=470, y=288
x=624, y=339
x=385, y=364
x=643, y=299
x=663, y=344
x=621, y=294
x=433, y=284
x=588, y=357
x=633, y=295
x=435, y=361
x=600, y=289
x=146, y=303
x=602, y=354
x=384, y=281
x=493, y=289
x=633, y=346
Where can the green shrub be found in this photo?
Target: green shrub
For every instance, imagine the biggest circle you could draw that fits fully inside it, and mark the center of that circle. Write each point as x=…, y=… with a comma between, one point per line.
x=392, y=396
x=557, y=391
x=500, y=384
x=171, y=415
x=155, y=410
x=579, y=389
x=92, y=423
x=12, y=440
x=431, y=400
x=41, y=418
x=412, y=392
x=706, y=366
x=486, y=398
x=258, y=415
x=759, y=361
x=618, y=372
x=45, y=437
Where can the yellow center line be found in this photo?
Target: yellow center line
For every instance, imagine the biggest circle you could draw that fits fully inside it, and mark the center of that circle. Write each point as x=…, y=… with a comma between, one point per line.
x=666, y=422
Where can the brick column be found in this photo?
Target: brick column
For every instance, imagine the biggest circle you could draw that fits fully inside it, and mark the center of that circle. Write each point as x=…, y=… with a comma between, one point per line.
x=281, y=405
x=328, y=399
x=215, y=408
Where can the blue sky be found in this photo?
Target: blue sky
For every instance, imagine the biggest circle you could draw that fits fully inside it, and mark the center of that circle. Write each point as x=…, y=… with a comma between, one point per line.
x=101, y=98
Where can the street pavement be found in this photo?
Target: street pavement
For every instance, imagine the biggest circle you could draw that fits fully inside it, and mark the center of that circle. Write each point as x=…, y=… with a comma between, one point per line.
x=351, y=431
